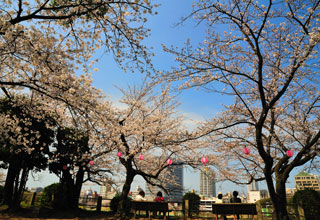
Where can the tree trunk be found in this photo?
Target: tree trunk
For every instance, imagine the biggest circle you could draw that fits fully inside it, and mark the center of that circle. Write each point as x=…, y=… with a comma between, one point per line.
x=20, y=188
x=278, y=197
x=13, y=171
x=123, y=209
x=71, y=189
x=78, y=186
x=281, y=203
x=70, y=192
x=64, y=191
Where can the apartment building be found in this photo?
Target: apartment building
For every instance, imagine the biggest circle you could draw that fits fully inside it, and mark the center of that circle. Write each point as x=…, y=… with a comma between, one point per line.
x=307, y=181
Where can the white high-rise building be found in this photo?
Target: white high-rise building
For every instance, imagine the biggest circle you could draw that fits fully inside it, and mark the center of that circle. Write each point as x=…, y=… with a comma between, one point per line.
x=207, y=183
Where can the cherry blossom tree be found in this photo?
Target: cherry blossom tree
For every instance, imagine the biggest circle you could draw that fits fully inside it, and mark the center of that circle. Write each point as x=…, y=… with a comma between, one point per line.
x=264, y=55
x=72, y=160
x=46, y=49
x=147, y=132
x=43, y=43
x=25, y=137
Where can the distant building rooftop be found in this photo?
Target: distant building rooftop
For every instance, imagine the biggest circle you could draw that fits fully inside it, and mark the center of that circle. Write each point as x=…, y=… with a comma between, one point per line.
x=304, y=174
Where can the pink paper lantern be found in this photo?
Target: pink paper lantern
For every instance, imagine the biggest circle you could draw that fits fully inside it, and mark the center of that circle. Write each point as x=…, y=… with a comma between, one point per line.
x=169, y=161
x=141, y=157
x=91, y=162
x=290, y=153
x=246, y=151
x=119, y=154
x=64, y=167
x=204, y=160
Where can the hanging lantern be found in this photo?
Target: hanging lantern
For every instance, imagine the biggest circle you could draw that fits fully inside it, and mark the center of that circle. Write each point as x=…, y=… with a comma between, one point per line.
x=119, y=154
x=246, y=151
x=290, y=153
x=91, y=162
x=204, y=160
x=169, y=161
x=141, y=157
x=64, y=167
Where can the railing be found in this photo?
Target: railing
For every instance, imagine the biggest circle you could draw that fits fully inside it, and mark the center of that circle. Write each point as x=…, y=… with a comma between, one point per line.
x=97, y=203
x=265, y=210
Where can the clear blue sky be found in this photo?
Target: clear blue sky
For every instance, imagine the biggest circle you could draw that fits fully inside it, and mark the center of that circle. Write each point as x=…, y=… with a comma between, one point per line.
x=195, y=103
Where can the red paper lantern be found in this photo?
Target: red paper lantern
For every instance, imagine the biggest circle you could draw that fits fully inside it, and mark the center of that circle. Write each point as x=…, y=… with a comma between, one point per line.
x=169, y=161
x=91, y=162
x=119, y=154
x=290, y=153
x=141, y=157
x=246, y=151
x=204, y=160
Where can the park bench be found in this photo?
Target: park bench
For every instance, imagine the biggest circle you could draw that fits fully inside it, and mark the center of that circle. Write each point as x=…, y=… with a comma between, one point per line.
x=149, y=207
x=234, y=209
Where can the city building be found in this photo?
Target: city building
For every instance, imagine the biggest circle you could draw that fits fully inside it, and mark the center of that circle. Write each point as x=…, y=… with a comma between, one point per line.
x=36, y=190
x=107, y=192
x=253, y=186
x=104, y=190
x=307, y=181
x=174, y=188
x=290, y=192
x=256, y=195
x=207, y=183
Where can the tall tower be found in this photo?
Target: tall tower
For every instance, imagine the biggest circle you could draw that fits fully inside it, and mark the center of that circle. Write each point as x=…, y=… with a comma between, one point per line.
x=207, y=183
x=176, y=189
x=253, y=186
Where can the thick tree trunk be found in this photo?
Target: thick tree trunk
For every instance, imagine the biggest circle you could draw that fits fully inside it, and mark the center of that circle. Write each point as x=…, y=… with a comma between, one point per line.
x=20, y=188
x=280, y=205
x=13, y=172
x=68, y=199
x=278, y=197
x=71, y=189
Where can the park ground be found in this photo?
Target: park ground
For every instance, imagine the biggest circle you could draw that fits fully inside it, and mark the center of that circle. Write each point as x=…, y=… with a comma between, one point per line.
x=31, y=214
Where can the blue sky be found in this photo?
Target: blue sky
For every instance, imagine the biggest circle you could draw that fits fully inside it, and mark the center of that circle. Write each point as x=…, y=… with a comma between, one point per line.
x=198, y=104
x=194, y=104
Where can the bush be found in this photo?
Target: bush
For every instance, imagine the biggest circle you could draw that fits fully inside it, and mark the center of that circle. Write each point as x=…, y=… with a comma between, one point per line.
x=115, y=203
x=50, y=196
x=194, y=202
x=266, y=207
x=266, y=201
x=309, y=200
